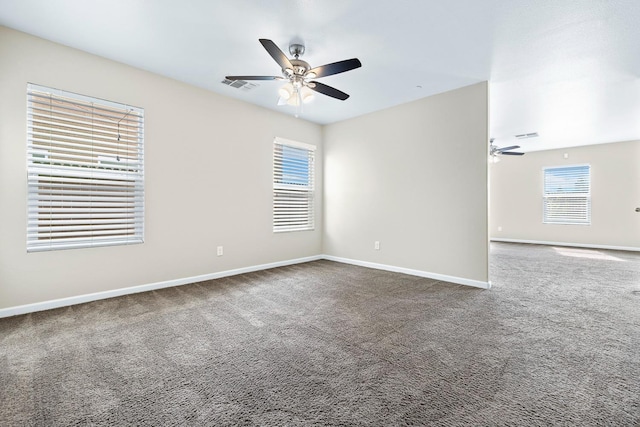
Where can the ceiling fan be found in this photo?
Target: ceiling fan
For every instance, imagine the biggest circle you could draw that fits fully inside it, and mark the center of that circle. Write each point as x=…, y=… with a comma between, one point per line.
x=494, y=151
x=299, y=75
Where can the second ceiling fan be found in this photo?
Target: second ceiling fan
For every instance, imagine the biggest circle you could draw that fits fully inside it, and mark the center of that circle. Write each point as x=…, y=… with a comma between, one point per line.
x=299, y=74
x=493, y=149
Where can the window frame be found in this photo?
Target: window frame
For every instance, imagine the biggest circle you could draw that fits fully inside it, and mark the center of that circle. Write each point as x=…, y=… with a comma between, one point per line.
x=293, y=201
x=570, y=196
x=85, y=171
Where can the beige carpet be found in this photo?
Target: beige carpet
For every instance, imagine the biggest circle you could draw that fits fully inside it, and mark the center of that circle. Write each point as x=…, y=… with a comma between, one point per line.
x=555, y=342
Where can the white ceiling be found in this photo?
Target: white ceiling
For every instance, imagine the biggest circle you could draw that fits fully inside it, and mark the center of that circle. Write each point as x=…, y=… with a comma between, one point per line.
x=567, y=69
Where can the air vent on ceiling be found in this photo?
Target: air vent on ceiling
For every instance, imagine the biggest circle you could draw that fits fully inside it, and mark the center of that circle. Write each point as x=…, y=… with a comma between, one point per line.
x=527, y=135
x=240, y=84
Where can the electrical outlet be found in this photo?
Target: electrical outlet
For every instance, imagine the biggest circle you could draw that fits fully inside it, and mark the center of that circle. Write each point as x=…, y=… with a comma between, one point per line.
x=499, y=228
x=220, y=251
x=376, y=245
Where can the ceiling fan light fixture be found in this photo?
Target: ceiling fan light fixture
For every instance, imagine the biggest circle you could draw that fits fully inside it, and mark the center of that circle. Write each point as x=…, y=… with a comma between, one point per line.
x=286, y=91
x=307, y=95
x=293, y=101
x=298, y=97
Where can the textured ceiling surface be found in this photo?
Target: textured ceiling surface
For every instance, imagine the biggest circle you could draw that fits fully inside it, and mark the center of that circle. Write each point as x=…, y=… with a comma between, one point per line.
x=567, y=69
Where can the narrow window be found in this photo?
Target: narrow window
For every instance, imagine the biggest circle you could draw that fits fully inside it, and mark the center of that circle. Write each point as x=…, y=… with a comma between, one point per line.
x=85, y=171
x=293, y=192
x=567, y=195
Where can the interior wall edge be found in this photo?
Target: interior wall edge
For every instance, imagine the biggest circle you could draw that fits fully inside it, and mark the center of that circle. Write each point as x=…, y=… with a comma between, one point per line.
x=80, y=299
x=412, y=272
x=568, y=244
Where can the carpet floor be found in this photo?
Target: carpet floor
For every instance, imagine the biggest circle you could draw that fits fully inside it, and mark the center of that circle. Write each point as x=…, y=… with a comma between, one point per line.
x=556, y=341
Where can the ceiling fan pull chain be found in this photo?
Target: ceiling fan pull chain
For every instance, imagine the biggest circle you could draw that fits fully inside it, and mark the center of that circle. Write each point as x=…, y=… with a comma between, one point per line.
x=298, y=102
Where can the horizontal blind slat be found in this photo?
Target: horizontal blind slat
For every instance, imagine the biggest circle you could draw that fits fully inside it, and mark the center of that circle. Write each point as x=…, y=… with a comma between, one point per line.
x=85, y=171
x=567, y=195
x=293, y=170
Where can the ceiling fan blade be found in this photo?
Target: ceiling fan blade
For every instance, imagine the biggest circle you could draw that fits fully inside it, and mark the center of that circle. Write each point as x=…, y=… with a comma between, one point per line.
x=276, y=54
x=253, y=77
x=512, y=153
x=328, y=90
x=336, y=67
x=511, y=147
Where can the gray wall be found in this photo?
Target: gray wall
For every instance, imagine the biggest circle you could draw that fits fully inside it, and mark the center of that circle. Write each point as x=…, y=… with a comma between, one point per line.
x=414, y=178
x=208, y=179
x=516, y=185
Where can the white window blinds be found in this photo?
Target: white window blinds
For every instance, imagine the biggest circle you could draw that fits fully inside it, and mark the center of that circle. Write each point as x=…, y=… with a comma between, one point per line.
x=293, y=191
x=567, y=195
x=85, y=171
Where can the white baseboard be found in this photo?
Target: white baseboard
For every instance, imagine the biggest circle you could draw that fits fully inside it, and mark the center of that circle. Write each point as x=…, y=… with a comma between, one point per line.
x=80, y=299
x=575, y=245
x=419, y=273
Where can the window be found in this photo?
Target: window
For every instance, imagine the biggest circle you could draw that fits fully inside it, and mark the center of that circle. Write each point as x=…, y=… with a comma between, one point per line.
x=293, y=169
x=567, y=195
x=85, y=171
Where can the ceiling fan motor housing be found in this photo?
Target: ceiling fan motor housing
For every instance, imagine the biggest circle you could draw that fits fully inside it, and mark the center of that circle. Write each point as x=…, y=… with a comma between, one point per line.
x=300, y=67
